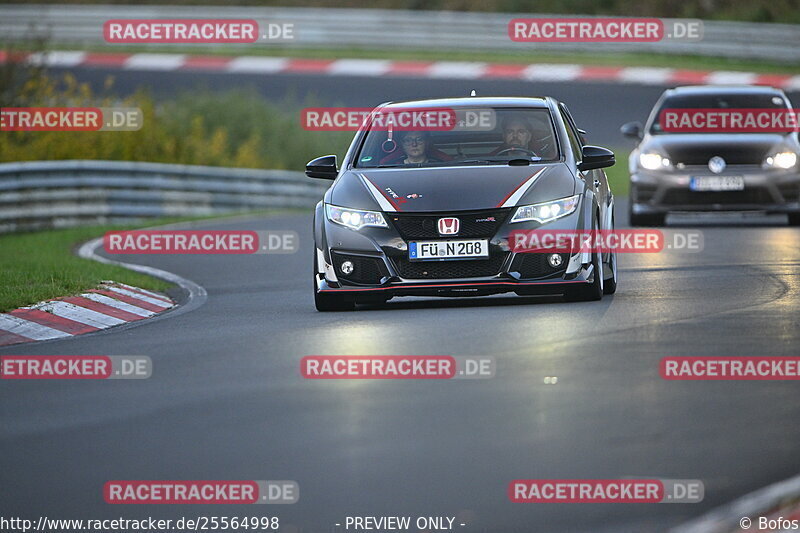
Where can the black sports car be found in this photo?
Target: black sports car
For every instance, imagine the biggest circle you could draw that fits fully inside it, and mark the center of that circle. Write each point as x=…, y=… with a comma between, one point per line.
x=689, y=171
x=429, y=213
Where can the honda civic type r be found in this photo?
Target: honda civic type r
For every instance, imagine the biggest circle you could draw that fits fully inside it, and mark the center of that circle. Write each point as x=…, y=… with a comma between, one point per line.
x=429, y=212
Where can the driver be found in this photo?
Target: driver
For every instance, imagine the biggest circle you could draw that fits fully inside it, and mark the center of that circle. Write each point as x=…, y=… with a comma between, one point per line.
x=517, y=135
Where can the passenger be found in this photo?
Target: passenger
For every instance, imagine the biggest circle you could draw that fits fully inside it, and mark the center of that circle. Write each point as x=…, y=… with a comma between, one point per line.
x=415, y=146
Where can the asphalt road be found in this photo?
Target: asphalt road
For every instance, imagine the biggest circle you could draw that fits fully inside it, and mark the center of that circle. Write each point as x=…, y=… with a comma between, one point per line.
x=226, y=399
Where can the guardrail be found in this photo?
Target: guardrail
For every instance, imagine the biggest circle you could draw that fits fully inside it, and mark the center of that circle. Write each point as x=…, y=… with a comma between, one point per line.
x=55, y=194
x=382, y=29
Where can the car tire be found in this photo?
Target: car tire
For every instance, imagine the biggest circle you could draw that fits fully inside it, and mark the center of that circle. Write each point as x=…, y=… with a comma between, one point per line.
x=794, y=219
x=610, y=284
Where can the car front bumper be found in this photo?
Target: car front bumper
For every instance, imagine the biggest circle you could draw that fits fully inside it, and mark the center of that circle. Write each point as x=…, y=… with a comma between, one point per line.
x=771, y=191
x=383, y=269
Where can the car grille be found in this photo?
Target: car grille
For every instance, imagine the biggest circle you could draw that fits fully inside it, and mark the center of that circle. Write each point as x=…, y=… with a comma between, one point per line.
x=425, y=226
x=757, y=195
x=790, y=192
x=644, y=193
x=366, y=270
x=462, y=268
x=535, y=265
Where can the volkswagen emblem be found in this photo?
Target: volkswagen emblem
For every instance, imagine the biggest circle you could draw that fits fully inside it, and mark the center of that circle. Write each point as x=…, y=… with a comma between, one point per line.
x=716, y=164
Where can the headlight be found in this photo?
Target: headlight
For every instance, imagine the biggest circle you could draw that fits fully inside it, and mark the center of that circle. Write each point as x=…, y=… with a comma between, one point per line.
x=653, y=161
x=547, y=211
x=783, y=160
x=355, y=218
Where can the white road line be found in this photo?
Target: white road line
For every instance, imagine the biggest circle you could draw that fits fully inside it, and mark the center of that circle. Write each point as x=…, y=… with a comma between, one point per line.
x=103, y=299
x=79, y=314
x=29, y=329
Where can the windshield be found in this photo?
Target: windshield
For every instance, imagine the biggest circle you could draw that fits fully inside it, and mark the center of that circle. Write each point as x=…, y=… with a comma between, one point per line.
x=481, y=135
x=716, y=101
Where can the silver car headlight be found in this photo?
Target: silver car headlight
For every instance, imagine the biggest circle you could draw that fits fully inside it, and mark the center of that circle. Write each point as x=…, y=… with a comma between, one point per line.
x=354, y=218
x=784, y=160
x=547, y=211
x=653, y=161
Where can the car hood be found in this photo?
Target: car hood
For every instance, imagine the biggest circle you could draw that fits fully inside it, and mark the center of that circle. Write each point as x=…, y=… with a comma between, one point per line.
x=452, y=188
x=698, y=148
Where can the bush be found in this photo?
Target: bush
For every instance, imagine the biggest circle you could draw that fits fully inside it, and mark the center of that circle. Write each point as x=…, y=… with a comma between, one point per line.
x=237, y=128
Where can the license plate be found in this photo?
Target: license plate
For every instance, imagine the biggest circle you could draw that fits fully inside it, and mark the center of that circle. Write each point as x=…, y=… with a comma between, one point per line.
x=432, y=250
x=717, y=183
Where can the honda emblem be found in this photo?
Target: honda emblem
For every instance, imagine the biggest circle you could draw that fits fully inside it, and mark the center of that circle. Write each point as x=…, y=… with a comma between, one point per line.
x=448, y=226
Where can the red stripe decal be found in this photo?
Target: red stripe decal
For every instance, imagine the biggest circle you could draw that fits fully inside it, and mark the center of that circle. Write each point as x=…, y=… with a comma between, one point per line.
x=472, y=284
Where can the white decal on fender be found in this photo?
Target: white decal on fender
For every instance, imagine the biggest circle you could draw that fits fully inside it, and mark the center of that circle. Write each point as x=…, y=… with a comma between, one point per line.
x=385, y=204
x=521, y=190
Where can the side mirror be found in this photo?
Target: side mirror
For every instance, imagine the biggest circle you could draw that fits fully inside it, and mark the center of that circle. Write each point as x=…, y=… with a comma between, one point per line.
x=323, y=168
x=632, y=130
x=596, y=157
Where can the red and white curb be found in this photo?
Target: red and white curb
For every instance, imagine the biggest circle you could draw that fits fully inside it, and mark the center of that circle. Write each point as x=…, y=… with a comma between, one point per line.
x=538, y=72
x=111, y=304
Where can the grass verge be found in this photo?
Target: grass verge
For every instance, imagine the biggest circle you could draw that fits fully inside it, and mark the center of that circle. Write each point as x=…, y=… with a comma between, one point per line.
x=41, y=265
x=618, y=176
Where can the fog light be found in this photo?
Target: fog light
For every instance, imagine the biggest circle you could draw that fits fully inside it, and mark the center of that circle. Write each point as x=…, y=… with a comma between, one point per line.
x=347, y=268
x=555, y=260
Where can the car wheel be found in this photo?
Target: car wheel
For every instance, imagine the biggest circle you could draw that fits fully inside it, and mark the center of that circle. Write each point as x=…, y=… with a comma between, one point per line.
x=794, y=219
x=610, y=284
x=328, y=302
